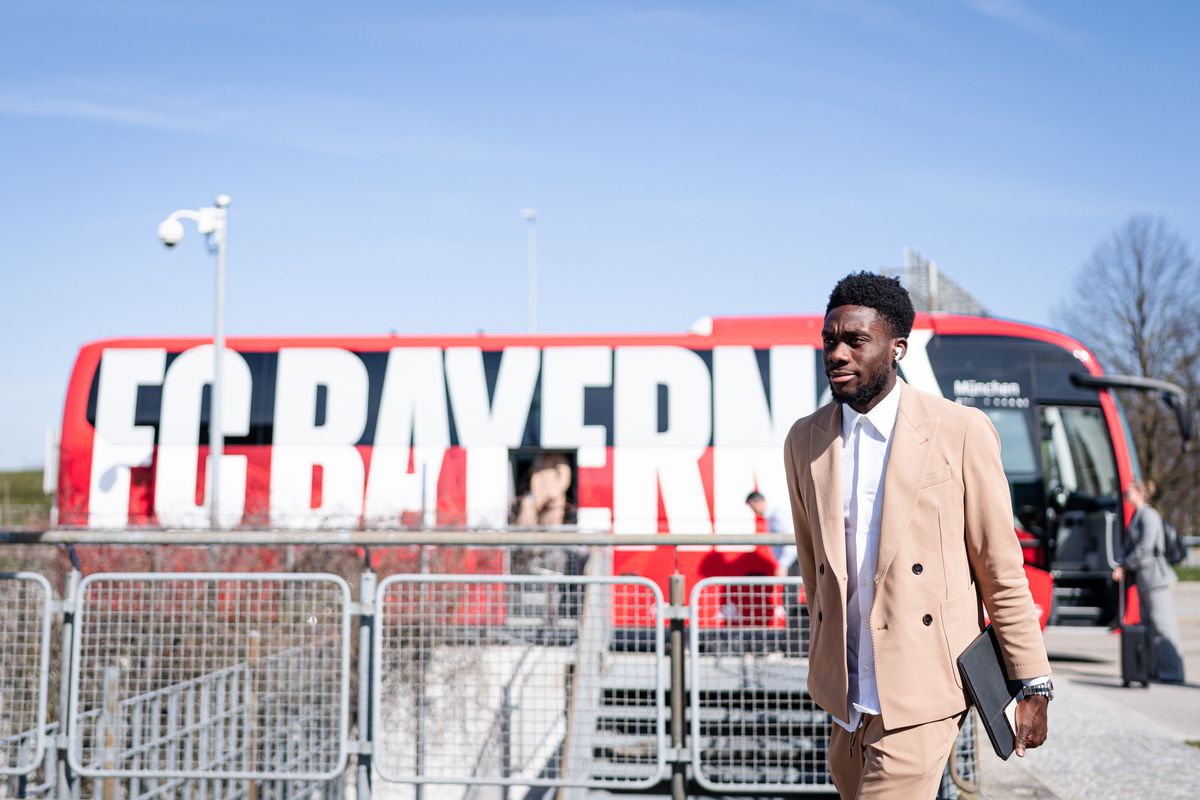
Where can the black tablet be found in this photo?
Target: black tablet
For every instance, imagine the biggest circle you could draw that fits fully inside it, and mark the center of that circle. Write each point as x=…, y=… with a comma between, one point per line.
x=990, y=690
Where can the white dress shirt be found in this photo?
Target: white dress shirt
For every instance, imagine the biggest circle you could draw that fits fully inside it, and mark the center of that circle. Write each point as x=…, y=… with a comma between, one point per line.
x=866, y=446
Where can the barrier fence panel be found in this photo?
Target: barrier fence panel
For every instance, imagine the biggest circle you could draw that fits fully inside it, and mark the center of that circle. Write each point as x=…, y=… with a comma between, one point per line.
x=25, y=608
x=530, y=680
x=753, y=726
x=210, y=676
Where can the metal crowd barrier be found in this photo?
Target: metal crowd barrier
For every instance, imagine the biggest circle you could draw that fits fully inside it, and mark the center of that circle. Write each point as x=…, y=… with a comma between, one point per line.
x=25, y=610
x=519, y=680
x=236, y=686
x=753, y=726
x=210, y=675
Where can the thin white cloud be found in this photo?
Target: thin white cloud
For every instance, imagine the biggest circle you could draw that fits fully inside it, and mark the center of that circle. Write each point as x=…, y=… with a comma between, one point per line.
x=1019, y=15
x=318, y=124
x=23, y=105
x=149, y=112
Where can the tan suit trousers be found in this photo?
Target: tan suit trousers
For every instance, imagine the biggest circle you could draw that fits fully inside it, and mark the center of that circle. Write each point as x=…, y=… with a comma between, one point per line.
x=901, y=764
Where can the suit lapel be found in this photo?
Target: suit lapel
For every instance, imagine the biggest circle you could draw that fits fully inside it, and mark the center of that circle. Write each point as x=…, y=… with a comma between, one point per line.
x=825, y=456
x=911, y=444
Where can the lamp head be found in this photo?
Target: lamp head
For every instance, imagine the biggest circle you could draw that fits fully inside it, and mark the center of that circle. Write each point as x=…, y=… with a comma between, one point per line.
x=170, y=231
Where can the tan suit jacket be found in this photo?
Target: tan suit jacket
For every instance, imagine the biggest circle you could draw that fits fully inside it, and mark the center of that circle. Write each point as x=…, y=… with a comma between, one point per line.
x=946, y=540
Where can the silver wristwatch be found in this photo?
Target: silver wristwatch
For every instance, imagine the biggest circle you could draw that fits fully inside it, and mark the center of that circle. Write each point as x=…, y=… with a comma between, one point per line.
x=1046, y=690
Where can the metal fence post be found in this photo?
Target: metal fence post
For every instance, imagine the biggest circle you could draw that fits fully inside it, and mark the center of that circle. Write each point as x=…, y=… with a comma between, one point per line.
x=66, y=787
x=110, y=727
x=506, y=715
x=419, y=788
x=366, y=602
x=678, y=690
x=253, y=649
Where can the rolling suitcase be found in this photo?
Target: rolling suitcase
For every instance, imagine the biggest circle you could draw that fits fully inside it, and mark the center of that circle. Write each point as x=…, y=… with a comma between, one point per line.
x=1137, y=648
x=1136, y=653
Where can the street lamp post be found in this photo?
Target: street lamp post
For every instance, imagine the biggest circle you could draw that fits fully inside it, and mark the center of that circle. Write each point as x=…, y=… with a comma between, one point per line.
x=530, y=216
x=209, y=221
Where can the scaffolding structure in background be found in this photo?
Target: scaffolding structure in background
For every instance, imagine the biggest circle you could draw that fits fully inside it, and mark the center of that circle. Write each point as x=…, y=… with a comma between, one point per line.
x=931, y=289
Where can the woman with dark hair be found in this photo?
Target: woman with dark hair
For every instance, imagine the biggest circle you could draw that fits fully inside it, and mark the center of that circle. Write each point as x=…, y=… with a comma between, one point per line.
x=1143, y=557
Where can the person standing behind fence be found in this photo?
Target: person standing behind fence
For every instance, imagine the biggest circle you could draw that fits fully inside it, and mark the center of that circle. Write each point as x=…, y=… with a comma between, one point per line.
x=778, y=521
x=1144, y=558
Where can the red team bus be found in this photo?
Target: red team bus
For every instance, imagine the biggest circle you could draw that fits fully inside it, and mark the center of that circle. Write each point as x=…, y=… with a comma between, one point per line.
x=663, y=433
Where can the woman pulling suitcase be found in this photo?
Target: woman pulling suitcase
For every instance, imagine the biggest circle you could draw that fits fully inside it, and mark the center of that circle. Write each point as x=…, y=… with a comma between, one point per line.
x=1143, y=558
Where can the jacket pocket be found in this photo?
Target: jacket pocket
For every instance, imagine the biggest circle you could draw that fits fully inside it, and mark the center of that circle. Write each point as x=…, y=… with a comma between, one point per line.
x=934, y=477
x=960, y=626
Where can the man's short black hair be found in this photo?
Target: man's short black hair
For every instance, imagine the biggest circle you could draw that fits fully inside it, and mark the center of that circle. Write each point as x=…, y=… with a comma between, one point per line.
x=889, y=299
x=754, y=496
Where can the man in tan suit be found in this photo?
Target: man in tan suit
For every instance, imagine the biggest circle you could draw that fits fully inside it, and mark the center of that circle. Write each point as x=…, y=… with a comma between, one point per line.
x=903, y=523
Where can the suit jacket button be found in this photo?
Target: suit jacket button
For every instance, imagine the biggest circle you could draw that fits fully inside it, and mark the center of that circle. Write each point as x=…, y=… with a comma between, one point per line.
x=927, y=619
x=820, y=616
x=821, y=569
x=917, y=569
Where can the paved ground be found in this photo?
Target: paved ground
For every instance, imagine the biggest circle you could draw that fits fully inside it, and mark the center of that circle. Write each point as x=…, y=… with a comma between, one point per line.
x=1107, y=741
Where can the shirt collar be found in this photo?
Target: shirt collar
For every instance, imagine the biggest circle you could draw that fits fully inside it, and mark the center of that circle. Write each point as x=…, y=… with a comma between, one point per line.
x=881, y=418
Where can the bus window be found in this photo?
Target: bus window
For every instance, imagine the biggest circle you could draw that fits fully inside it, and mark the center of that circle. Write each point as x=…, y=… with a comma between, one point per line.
x=1019, y=457
x=1077, y=456
x=1016, y=445
x=544, y=487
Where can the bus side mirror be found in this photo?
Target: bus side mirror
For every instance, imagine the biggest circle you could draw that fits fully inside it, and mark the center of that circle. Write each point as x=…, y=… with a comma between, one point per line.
x=1173, y=395
x=1178, y=403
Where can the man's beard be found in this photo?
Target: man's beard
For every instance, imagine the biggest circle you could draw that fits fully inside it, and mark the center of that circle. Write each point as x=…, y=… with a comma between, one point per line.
x=866, y=392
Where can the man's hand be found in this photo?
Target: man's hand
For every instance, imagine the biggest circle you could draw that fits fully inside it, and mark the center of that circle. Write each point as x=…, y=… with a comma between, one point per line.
x=1118, y=573
x=1031, y=722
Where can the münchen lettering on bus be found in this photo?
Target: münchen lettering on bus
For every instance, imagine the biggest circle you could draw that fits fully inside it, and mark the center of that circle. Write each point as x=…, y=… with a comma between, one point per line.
x=990, y=394
x=662, y=437
x=970, y=388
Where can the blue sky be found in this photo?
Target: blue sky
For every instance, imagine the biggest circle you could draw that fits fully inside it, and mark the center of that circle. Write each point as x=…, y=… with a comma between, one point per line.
x=687, y=159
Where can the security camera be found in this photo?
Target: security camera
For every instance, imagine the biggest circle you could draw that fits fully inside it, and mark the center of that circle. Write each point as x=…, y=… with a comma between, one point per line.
x=170, y=231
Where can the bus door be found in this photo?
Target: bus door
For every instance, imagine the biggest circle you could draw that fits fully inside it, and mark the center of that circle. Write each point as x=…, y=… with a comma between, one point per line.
x=1082, y=504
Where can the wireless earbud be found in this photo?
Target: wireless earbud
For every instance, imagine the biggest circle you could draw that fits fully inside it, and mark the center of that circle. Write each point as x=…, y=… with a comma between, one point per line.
x=899, y=353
